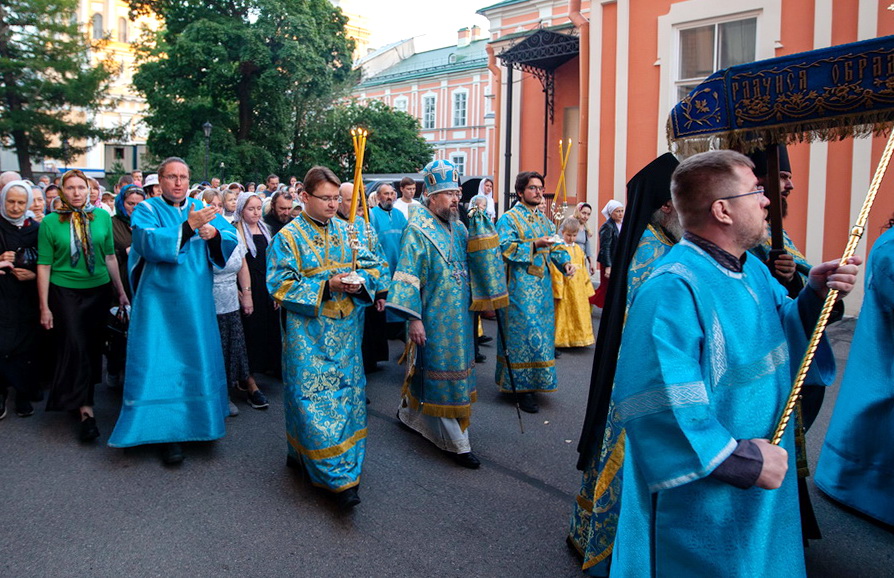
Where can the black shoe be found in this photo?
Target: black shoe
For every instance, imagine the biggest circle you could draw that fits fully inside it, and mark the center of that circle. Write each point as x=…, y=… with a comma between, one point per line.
x=558, y=354
x=347, y=499
x=528, y=403
x=479, y=358
x=258, y=400
x=23, y=406
x=2, y=404
x=89, y=431
x=484, y=339
x=467, y=460
x=293, y=463
x=172, y=454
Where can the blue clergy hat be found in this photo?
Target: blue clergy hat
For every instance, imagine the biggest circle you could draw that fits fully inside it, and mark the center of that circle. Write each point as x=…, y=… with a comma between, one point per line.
x=440, y=176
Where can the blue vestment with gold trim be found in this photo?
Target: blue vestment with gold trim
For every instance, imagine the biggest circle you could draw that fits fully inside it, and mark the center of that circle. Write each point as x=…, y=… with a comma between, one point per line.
x=705, y=361
x=529, y=324
x=431, y=283
x=389, y=226
x=324, y=393
x=175, y=387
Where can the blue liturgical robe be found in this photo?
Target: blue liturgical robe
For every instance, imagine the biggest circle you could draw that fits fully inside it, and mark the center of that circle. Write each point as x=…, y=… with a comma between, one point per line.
x=389, y=225
x=175, y=386
x=594, y=520
x=705, y=361
x=324, y=393
x=529, y=319
x=431, y=283
x=857, y=460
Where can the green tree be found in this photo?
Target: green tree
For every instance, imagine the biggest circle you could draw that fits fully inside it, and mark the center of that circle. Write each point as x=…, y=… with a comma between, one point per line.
x=254, y=69
x=48, y=87
x=393, y=145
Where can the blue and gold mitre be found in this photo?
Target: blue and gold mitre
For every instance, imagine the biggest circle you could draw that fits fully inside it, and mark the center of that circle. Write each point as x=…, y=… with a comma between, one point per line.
x=440, y=176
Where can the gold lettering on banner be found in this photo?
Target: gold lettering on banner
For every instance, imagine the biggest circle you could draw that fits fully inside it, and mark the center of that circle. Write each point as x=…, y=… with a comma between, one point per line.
x=836, y=74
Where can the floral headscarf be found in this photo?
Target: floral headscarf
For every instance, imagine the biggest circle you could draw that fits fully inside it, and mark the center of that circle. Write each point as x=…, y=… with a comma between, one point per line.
x=81, y=237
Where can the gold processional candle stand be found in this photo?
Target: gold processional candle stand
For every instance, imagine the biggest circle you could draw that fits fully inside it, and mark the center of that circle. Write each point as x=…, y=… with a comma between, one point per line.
x=831, y=297
x=561, y=188
x=358, y=136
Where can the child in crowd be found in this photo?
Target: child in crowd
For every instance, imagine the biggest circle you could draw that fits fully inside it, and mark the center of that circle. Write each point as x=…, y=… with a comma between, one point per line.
x=574, y=326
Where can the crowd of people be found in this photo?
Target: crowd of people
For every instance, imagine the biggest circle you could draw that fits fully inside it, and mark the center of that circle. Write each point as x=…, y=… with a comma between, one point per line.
x=293, y=280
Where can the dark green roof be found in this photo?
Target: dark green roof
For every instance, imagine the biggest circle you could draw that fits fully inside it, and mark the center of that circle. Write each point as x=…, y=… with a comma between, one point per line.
x=447, y=60
x=499, y=5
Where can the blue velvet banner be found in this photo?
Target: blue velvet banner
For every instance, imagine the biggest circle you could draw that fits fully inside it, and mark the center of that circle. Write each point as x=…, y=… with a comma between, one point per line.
x=819, y=95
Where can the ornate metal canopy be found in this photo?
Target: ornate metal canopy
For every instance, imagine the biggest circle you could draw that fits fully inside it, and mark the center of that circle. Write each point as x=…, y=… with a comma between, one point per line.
x=540, y=53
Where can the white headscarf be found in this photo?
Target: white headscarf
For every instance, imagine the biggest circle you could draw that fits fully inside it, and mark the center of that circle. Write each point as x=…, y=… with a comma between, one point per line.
x=609, y=208
x=26, y=186
x=241, y=224
x=491, y=209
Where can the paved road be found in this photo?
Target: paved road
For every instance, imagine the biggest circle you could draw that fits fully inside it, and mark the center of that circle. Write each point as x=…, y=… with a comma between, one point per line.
x=234, y=509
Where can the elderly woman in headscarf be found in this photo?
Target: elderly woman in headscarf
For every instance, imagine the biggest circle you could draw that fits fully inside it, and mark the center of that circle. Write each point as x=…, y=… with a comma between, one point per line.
x=608, y=240
x=262, y=337
x=76, y=269
x=486, y=189
x=19, y=320
x=38, y=204
x=125, y=201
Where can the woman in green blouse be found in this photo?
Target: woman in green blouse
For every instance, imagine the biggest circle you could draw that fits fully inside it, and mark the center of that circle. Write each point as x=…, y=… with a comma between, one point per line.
x=76, y=268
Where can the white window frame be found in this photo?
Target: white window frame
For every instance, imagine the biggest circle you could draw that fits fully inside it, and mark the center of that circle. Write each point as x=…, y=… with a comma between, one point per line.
x=694, y=13
x=122, y=29
x=402, y=104
x=464, y=121
x=459, y=161
x=434, y=111
x=97, y=32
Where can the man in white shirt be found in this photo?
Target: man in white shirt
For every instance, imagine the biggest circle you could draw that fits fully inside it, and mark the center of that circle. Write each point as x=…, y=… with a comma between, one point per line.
x=406, y=200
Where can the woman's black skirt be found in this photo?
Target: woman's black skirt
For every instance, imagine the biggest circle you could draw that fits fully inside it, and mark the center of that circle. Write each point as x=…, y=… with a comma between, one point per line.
x=232, y=339
x=79, y=320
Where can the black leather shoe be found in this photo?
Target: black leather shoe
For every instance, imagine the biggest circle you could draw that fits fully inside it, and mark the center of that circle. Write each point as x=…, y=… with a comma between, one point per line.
x=172, y=454
x=89, y=431
x=467, y=460
x=293, y=463
x=347, y=499
x=528, y=403
x=485, y=339
x=480, y=358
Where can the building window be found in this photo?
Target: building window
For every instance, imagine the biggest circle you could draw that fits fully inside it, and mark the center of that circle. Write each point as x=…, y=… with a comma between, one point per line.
x=708, y=48
x=401, y=104
x=122, y=30
x=97, y=27
x=119, y=153
x=459, y=161
x=428, y=112
x=460, y=107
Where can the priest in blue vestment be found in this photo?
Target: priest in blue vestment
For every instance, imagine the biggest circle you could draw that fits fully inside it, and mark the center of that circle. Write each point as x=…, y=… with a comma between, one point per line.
x=704, y=372
x=529, y=321
x=857, y=460
x=175, y=388
x=324, y=386
x=431, y=290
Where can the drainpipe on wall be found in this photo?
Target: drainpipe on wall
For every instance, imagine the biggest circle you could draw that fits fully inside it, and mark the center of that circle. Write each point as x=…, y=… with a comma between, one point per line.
x=583, y=27
x=497, y=90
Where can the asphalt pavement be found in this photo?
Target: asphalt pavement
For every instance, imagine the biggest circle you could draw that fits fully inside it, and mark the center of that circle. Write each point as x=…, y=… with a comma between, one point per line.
x=233, y=508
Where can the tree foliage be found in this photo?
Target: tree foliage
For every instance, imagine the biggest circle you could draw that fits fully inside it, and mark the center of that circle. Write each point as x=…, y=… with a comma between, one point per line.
x=254, y=69
x=393, y=146
x=48, y=86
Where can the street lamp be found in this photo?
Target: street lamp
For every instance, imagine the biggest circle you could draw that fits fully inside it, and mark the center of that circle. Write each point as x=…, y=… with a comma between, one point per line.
x=207, y=128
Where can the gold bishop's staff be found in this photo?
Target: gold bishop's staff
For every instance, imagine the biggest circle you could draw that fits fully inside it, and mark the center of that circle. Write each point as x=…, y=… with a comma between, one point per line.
x=849, y=250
